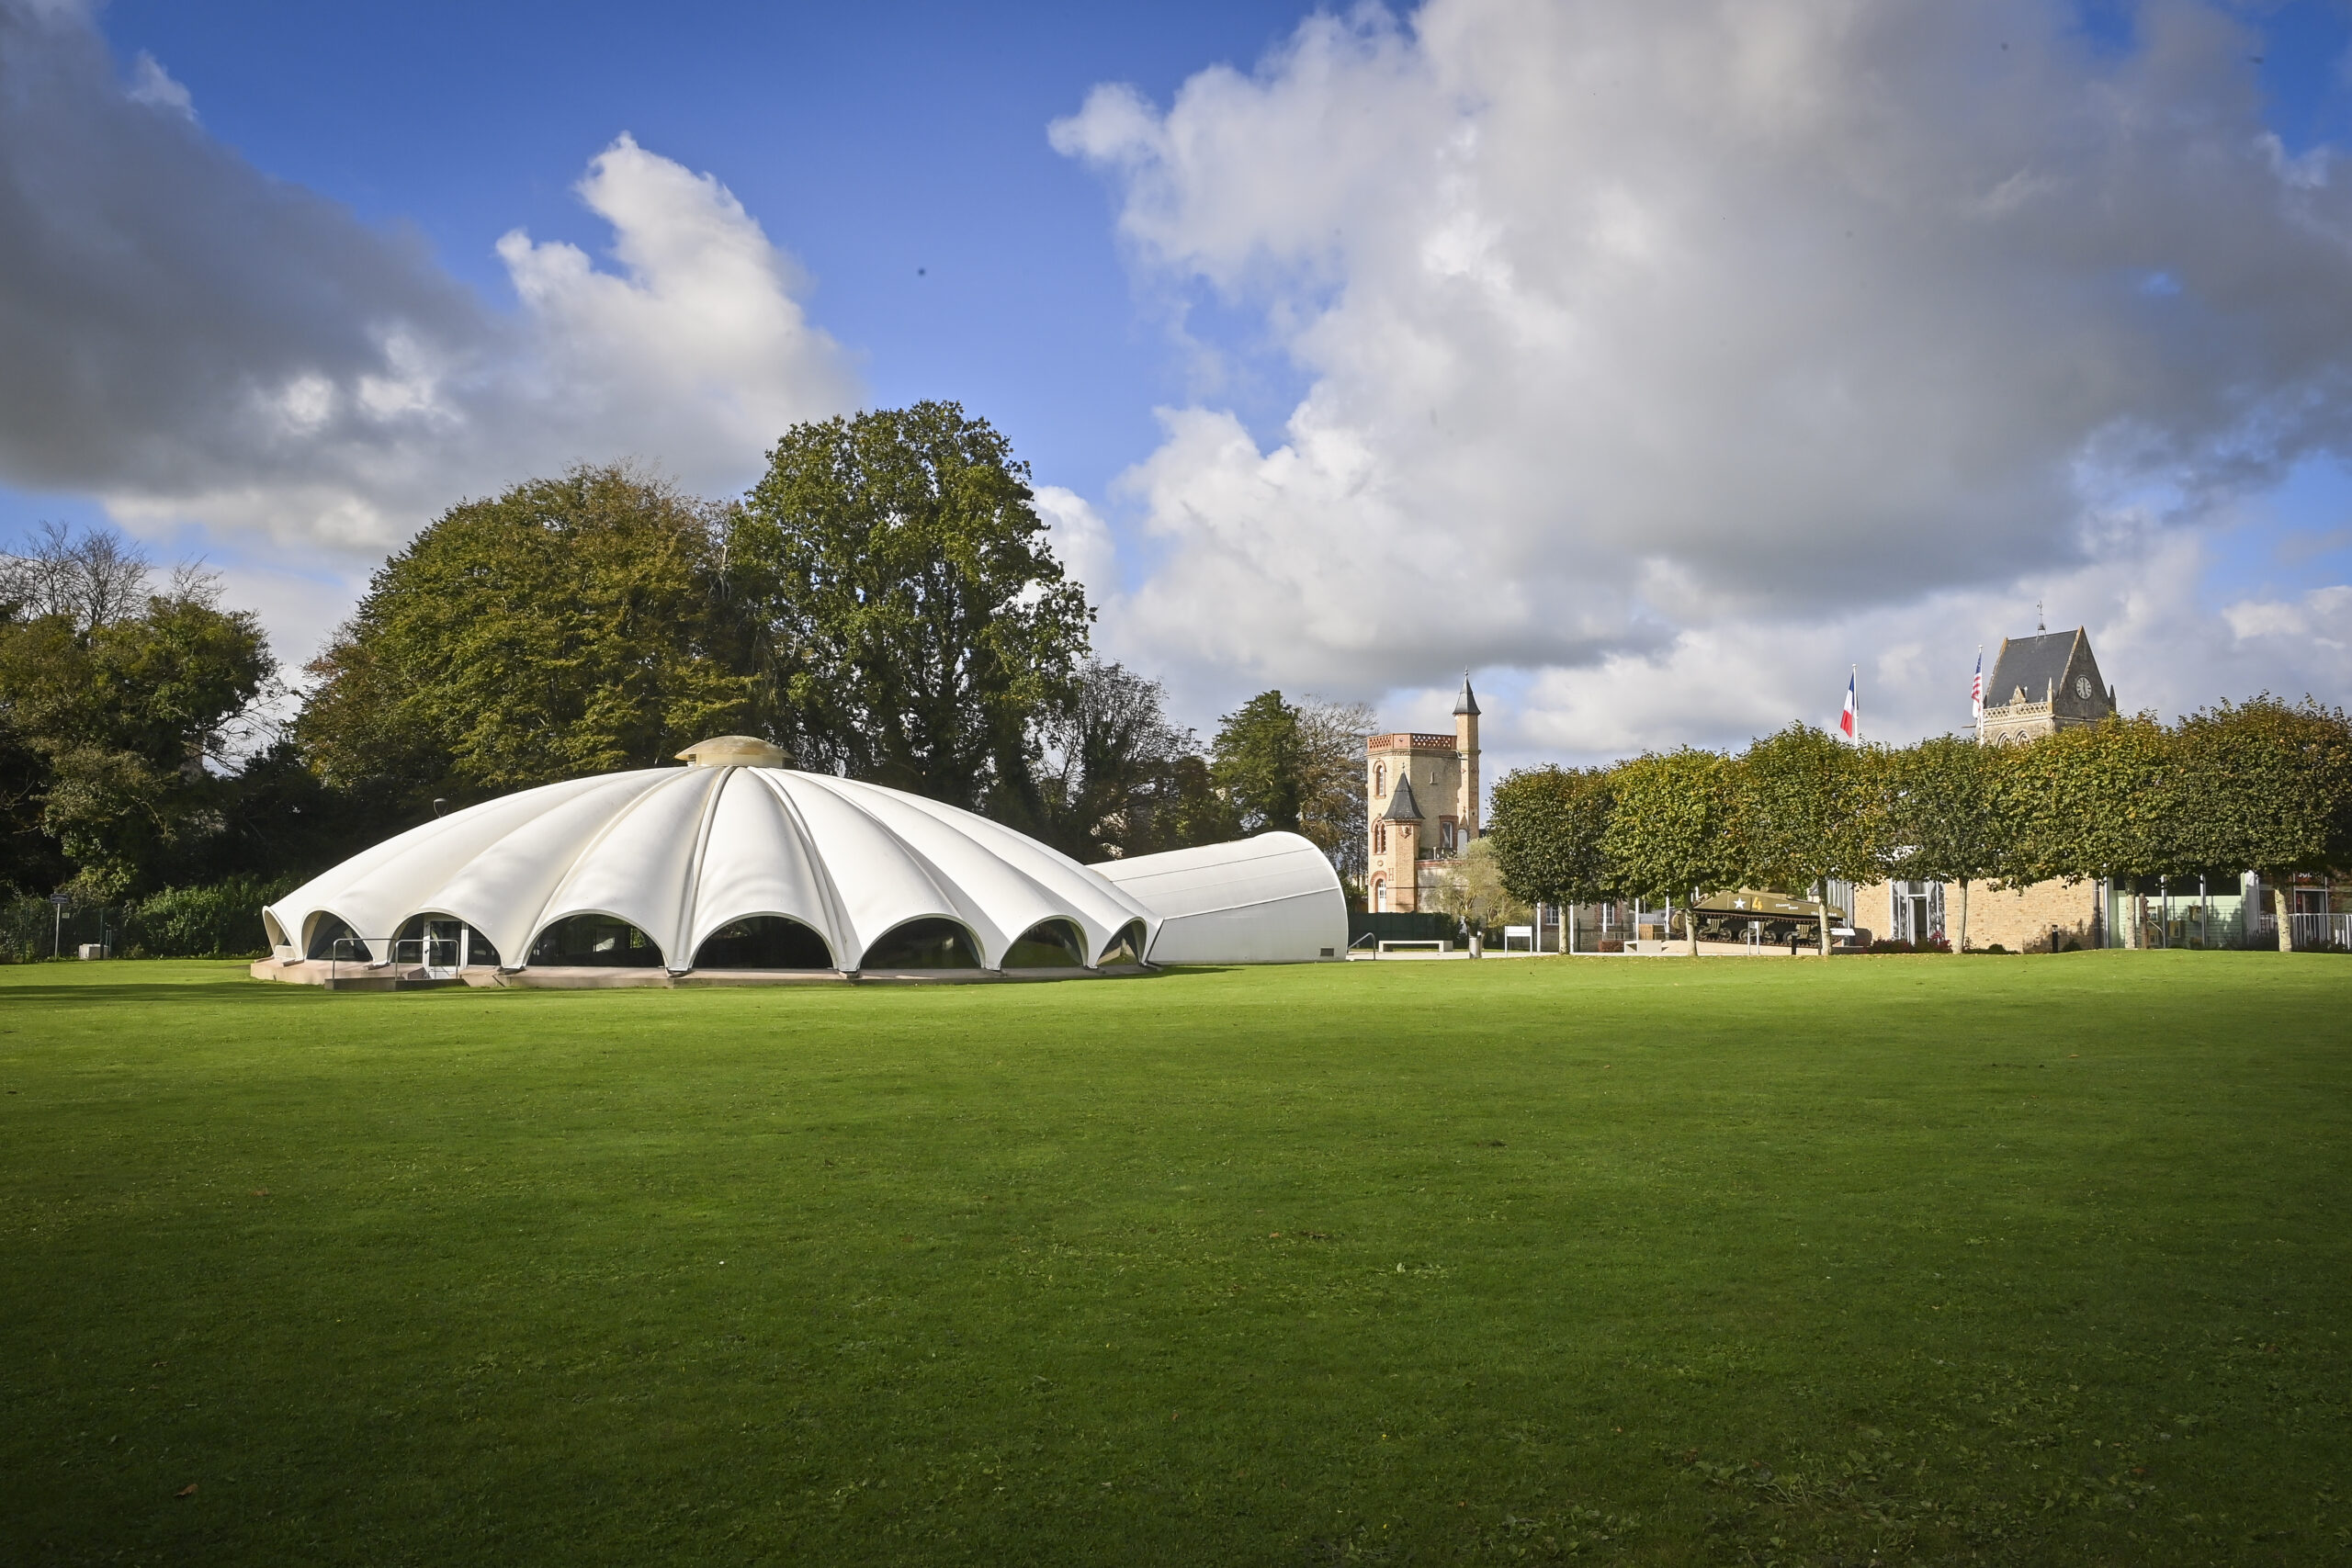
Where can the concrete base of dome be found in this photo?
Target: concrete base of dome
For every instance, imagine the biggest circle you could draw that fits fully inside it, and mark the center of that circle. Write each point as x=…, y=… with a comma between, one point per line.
x=353, y=977
x=586, y=978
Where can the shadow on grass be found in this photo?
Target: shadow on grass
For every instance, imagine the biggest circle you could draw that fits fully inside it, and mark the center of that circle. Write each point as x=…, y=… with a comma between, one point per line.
x=158, y=991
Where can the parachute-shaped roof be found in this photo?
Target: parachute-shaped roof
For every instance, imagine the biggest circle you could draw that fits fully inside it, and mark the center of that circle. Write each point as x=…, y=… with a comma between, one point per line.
x=682, y=854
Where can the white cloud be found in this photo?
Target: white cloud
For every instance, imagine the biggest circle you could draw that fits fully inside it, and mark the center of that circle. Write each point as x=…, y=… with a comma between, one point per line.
x=1081, y=541
x=194, y=342
x=1682, y=356
x=155, y=86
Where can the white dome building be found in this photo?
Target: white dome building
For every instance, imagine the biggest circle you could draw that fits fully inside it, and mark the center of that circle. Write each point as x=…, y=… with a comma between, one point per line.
x=738, y=869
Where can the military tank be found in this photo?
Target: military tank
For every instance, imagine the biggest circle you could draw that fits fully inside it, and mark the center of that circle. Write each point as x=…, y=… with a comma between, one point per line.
x=1769, y=918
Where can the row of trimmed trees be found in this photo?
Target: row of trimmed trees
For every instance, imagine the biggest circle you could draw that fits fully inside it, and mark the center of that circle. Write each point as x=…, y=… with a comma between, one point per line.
x=2263, y=785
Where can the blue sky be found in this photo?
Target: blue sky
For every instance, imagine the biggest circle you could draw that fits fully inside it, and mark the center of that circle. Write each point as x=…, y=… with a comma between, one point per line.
x=1232, y=411
x=871, y=141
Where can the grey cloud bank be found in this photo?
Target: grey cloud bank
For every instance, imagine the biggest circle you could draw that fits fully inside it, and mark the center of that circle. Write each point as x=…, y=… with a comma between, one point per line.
x=191, y=340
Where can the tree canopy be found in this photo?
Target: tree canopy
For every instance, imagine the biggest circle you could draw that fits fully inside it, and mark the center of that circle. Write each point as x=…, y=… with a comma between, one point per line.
x=1671, y=833
x=122, y=711
x=912, y=616
x=1548, y=827
x=1806, y=810
x=1117, y=778
x=1297, y=768
x=567, y=626
x=1948, y=814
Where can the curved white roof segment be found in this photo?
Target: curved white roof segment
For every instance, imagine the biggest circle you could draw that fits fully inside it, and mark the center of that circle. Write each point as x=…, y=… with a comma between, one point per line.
x=681, y=852
x=1270, y=899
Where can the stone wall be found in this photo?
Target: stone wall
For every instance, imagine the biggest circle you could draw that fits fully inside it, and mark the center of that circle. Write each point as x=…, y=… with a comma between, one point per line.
x=2018, y=918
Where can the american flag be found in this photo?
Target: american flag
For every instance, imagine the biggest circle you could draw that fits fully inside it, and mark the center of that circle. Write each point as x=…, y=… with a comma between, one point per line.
x=1976, y=692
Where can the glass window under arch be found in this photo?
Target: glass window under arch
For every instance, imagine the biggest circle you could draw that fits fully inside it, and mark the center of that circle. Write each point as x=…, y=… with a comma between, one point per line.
x=932, y=942
x=1048, y=945
x=764, y=942
x=598, y=941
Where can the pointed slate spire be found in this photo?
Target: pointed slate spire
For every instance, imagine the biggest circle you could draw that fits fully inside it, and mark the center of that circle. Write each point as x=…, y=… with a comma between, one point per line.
x=1402, y=807
x=1467, y=702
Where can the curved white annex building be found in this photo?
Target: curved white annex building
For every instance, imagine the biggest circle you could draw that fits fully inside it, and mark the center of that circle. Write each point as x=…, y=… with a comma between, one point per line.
x=1270, y=899
x=736, y=866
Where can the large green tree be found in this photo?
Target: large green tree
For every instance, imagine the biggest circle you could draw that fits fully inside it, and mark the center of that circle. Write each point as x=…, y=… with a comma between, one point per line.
x=1548, y=827
x=1260, y=764
x=1947, y=815
x=570, y=626
x=1807, y=809
x=912, y=613
x=1670, y=835
x=122, y=713
x=1297, y=768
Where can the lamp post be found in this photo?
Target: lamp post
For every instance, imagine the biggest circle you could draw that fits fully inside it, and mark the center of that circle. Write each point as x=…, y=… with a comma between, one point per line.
x=57, y=902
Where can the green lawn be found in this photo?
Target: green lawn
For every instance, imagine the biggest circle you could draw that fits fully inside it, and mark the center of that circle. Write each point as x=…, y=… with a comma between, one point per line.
x=2031, y=1259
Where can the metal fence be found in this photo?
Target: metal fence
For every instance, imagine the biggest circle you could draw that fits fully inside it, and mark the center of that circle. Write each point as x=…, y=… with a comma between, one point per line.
x=2321, y=933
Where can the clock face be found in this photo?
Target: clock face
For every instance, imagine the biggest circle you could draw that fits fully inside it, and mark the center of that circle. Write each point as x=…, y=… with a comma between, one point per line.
x=2082, y=687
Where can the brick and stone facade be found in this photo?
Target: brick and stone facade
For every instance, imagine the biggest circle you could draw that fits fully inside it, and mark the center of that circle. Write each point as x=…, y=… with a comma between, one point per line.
x=2019, y=919
x=1421, y=796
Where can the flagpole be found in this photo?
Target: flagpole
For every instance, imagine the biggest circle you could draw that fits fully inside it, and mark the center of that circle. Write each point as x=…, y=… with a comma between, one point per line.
x=1854, y=683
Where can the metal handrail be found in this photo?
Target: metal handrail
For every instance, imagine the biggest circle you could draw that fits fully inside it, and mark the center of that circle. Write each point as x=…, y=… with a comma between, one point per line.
x=337, y=954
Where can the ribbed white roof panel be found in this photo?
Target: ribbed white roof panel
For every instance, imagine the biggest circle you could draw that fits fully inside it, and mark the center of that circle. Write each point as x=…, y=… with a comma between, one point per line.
x=679, y=853
x=757, y=860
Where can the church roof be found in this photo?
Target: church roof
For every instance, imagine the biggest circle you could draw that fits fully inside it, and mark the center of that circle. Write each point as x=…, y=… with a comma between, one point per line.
x=2037, y=664
x=1467, y=702
x=1402, y=807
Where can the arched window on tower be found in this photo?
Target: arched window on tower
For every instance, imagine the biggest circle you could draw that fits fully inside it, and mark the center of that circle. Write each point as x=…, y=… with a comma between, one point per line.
x=1380, y=837
x=1379, y=780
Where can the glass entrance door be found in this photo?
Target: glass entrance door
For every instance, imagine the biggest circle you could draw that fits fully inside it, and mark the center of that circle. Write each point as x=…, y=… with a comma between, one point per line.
x=442, y=940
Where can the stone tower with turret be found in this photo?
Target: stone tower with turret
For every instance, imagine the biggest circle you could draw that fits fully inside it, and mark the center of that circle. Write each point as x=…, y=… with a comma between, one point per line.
x=1421, y=802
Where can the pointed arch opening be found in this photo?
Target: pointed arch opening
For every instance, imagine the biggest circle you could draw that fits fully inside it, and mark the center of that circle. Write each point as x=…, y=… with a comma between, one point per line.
x=272, y=929
x=598, y=941
x=443, y=942
x=1049, y=944
x=1125, y=946
x=928, y=944
x=764, y=942
x=331, y=938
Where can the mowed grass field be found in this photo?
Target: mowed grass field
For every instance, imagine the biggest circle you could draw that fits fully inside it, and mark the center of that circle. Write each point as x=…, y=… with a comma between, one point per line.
x=1980, y=1260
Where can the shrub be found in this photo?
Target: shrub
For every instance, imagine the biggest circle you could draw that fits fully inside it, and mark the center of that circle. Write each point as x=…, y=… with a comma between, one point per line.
x=222, y=921
x=25, y=925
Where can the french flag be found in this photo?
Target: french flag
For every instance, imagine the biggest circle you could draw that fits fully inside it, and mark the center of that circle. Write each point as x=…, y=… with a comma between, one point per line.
x=1976, y=692
x=1850, y=723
